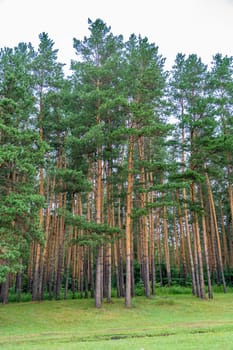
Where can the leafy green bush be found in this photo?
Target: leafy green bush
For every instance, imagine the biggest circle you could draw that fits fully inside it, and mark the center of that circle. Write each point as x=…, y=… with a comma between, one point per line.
x=139, y=288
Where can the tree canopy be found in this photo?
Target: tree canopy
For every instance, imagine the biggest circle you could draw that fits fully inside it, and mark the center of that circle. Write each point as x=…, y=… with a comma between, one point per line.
x=117, y=176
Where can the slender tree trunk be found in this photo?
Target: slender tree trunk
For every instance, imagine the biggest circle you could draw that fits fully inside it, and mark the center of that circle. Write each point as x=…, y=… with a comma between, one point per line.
x=206, y=250
x=197, y=244
x=86, y=274
x=186, y=216
x=68, y=260
x=19, y=286
x=30, y=268
x=121, y=269
x=5, y=290
x=152, y=247
x=195, y=258
x=182, y=239
x=36, y=276
x=166, y=246
x=216, y=230
x=118, y=255
x=212, y=238
x=128, y=222
x=143, y=223
x=194, y=285
x=74, y=250
x=151, y=222
x=98, y=203
x=158, y=244
x=176, y=244
x=99, y=262
x=44, y=258
x=225, y=248
x=35, y=284
x=98, y=290
x=110, y=221
x=230, y=190
x=199, y=255
x=80, y=251
x=88, y=217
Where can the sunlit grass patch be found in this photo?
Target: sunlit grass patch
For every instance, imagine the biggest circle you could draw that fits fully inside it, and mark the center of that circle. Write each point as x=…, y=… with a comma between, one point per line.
x=163, y=320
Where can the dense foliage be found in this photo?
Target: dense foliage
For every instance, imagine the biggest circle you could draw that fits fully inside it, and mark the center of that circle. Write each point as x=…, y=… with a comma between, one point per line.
x=117, y=176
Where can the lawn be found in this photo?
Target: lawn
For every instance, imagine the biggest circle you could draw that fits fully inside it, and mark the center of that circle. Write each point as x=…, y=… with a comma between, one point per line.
x=163, y=322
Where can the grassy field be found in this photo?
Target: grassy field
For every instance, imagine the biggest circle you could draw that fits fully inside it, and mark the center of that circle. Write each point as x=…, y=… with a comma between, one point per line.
x=163, y=322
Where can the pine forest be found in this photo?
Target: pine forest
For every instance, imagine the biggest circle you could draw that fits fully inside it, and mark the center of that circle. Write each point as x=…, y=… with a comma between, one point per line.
x=117, y=176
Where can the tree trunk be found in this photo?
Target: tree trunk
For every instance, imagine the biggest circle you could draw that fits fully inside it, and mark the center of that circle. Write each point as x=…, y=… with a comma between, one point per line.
x=5, y=290
x=197, y=245
x=216, y=230
x=206, y=250
x=36, y=275
x=35, y=283
x=166, y=246
x=143, y=219
x=158, y=244
x=99, y=280
x=194, y=285
x=99, y=261
x=182, y=239
x=128, y=222
x=152, y=246
x=225, y=248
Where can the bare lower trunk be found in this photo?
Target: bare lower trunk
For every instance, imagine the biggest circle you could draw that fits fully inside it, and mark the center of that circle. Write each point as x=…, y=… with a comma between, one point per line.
x=99, y=261
x=182, y=240
x=158, y=244
x=128, y=223
x=5, y=290
x=206, y=251
x=99, y=281
x=166, y=246
x=191, y=259
x=35, y=283
x=219, y=250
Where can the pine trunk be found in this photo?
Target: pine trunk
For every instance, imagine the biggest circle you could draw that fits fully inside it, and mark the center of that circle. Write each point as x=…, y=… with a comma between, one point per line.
x=128, y=222
x=188, y=235
x=182, y=240
x=219, y=250
x=166, y=246
x=5, y=290
x=143, y=220
x=99, y=261
x=206, y=250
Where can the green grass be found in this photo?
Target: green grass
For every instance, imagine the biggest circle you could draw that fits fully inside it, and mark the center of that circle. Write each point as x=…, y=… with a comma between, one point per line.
x=165, y=322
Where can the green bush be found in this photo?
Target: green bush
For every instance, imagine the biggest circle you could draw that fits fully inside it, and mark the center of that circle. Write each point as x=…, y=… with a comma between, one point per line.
x=139, y=288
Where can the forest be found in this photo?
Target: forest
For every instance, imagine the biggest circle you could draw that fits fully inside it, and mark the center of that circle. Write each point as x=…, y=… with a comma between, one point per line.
x=117, y=177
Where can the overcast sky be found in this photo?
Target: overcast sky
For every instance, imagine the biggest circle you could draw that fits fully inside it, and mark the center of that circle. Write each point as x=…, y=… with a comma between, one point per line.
x=204, y=27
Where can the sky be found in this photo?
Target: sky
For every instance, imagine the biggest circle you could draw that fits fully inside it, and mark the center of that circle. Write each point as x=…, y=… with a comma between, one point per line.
x=203, y=27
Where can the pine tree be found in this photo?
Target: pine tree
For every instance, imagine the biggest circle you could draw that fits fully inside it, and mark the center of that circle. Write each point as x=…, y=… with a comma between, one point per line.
x=144, y=82
x=221, y=87
x=191, y=108
x=95, y=83
x=21, y=150
x=48, y=78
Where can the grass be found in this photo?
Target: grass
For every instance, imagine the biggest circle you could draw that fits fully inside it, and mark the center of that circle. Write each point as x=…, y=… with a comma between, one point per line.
x=178, y=321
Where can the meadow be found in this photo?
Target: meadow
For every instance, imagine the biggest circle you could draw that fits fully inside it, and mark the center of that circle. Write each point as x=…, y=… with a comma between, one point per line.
x=166, y=321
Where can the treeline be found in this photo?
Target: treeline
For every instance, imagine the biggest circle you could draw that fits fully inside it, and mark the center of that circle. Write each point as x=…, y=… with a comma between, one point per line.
x=119, y=174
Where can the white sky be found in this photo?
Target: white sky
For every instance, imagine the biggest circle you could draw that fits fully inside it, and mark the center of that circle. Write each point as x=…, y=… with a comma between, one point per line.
x=204, y=27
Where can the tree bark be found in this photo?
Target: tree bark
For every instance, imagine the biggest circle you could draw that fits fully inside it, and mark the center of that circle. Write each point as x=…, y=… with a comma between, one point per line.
x=166, y=247
x=128, y=222
x=206, y=250
x=216, y=231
